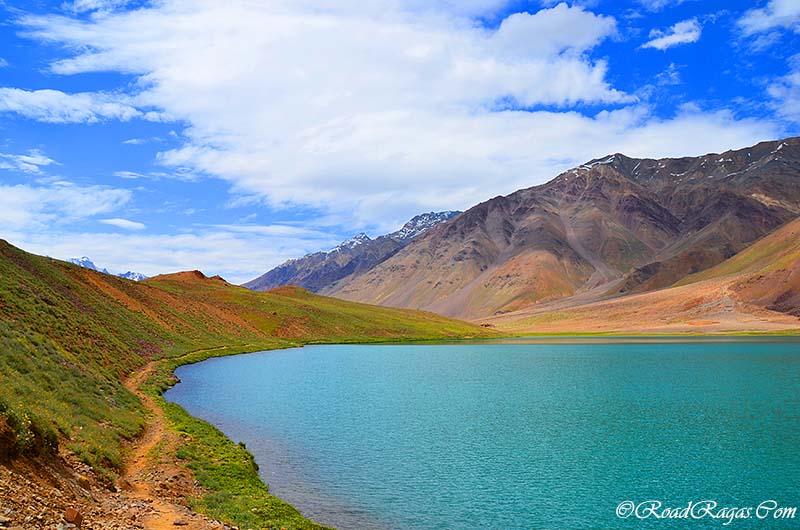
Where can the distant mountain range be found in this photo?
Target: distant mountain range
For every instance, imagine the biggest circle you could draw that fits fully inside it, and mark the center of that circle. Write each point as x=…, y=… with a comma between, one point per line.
x=89, y=264
x=613, y=227
x=359, y=254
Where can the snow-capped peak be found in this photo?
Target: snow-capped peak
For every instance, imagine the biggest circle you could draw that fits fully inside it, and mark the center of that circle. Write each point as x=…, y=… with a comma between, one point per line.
x=609, y=160
x=353, y=242
x=422, y=223
x=83, y=262
x=87, y=263
x=135, y=276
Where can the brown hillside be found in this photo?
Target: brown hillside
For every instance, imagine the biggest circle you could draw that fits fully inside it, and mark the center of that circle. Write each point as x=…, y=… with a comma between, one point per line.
x=612, y=227
x=758, y=289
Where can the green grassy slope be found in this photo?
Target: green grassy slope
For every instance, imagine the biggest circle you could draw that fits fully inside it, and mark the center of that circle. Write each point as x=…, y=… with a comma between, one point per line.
x=69, y=336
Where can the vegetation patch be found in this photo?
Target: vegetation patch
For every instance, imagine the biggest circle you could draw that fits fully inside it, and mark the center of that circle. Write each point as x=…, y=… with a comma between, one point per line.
x=230, y=472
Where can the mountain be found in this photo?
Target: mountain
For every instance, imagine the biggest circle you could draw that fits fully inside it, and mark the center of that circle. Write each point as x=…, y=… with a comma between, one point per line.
x=758, y=289
x=348, y=259
x=765, y=274
x=612, y=227
x=134, y=276
x=87, y=263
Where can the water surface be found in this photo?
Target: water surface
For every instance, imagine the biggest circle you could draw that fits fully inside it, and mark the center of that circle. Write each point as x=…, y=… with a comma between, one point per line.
x=512, y=435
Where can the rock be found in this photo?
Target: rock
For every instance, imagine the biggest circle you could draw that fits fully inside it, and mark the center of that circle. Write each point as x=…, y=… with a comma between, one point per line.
x=84, y=482
x=4, y=521
x=73, y=516
x=180, y=522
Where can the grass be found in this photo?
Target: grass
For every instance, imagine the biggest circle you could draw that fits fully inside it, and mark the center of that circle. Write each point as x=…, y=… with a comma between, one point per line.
x=230, y=472
x=70, y=336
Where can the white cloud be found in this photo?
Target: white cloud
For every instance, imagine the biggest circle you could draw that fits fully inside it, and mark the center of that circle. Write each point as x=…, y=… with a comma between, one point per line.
x=765, y=24
x=684, y=32
x=142, y=141
x=670, y=76
x=658, y=5
x=125, y=224
x=764, y=41
x=25, y=207
x=377, y=111
x=776, y=14
x=184, y=174
x=54, y=106
x=30, y=163
x=280, y=230
x=80, y=6
x=562, y=29
x=3, y=63
x=129, y=175
x=206, y=248
x=785, y=92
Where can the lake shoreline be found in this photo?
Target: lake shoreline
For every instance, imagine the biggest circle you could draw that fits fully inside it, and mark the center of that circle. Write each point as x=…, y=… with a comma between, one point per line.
x=578, y=339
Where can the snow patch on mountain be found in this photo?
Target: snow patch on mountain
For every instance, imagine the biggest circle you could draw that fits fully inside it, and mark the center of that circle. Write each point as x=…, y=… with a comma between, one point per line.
x=422, y=223
x=353, y=242
x=87, y=263
x=135, y=276
x=418, y=225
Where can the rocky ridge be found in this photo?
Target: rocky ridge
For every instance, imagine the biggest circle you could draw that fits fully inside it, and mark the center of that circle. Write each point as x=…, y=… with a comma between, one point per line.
x=611, y=227
x=353, y=257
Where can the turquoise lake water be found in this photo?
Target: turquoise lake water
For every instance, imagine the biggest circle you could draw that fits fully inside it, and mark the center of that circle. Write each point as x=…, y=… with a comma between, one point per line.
x=514, y=435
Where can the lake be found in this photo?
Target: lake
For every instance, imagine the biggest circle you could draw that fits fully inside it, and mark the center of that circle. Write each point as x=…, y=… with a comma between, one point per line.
x=517, y=434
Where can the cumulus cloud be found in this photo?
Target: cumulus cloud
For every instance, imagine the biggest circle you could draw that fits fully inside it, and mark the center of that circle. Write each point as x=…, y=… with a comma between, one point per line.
x=54, y=106
x=684, y=32
x=125, y=224
x=776, y=14
x=377, y=110
x=32, y=163
x=560, y=30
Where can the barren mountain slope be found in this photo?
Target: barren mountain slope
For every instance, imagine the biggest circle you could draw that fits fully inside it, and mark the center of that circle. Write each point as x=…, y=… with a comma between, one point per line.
x=758, y=289
x=349, y=259
x=611, y=227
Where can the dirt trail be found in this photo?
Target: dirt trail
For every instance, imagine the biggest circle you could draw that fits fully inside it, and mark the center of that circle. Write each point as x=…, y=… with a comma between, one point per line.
x=152, y=492
x=150, y=475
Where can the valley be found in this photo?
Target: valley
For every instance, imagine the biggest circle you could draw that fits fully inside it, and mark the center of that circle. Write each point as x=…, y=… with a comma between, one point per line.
x=86, y=356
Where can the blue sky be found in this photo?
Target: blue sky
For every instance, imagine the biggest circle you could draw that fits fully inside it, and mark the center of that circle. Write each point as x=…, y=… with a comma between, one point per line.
x=230, y=136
